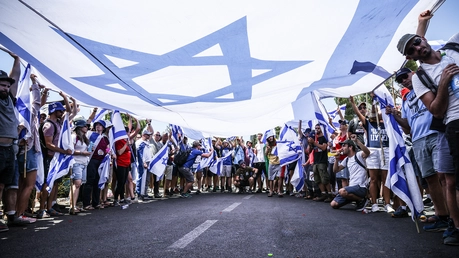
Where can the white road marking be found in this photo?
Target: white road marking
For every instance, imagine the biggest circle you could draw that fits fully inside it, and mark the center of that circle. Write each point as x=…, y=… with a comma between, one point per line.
x=188, y=238
x=247, y=197
x=231, y=207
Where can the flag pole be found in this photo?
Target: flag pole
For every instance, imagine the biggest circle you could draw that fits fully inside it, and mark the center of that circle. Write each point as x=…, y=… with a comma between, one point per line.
x=25, y=159
x=72, y=208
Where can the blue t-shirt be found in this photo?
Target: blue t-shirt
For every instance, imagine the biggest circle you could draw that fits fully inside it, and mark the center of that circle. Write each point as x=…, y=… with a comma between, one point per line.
x=192, y=157
x=373, y=135
x=418, y=116
x=227, y=160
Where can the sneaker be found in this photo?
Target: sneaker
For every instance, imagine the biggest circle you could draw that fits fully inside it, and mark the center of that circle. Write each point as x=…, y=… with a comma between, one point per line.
x=259, y=190
x=230, y=190
x=42, y=214
x=3, y=227
x=198, y=192
x=250, y=191
x=214, y=190
x=23, y=220
x=321, y=198
x=438, y=226
x=53, y=212
x=116, y=203
x=329, y=198
x=453, y=239
x=427, y=201
x=362, y=204
x=449, y=231
x=133, y=200
x=160, y=196
x=374, y=207
x=222, y=190
x=146, y=197
x=185, y=195
x=388, y=208
x=400, y=213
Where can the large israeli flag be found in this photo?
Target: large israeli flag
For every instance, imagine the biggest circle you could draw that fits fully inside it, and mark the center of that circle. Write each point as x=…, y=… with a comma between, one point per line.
x=23, y=108
x=214, y=68
x=288, y=147
x=400, y=178
x=159, y=162
x=298, y=175
x=61, y=163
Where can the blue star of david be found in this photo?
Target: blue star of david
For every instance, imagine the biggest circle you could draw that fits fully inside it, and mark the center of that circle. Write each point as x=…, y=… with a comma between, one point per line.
x=295, y=147
x=164, y=161
x=233, y=41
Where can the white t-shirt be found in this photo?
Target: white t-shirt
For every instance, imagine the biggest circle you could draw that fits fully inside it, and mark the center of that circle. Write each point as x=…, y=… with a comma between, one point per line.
x=357, y=174
x=434, y=71
x=80, y=146
x=260, y=154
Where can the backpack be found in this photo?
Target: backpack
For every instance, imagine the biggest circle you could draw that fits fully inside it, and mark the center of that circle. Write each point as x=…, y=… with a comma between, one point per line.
x=181, y=157
x=356, y=160
x=437, y=123
x=44, y=149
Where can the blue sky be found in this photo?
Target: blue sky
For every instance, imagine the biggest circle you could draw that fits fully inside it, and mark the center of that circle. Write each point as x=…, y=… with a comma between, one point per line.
x=443, y=25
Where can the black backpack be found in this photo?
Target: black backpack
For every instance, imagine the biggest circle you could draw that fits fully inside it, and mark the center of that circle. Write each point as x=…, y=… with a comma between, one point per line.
x=181, y=157
x=44, y=150
x=437, y=123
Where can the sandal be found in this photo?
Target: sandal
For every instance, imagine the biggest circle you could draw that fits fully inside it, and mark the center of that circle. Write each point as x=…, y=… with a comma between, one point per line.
x=89, y=207
x=431, y=219
x=308, y=197
x=74, y=211
x=53, y=212
x=100, y=206
x=81, y=209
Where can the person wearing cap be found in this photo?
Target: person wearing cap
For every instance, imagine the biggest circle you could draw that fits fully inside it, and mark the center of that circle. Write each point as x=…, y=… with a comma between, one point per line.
x=9, y=128
x=318, y=145
x=99, y=147
x=377, y=141
x=355, y=125
x=442, y=68
x=185, y=169
x=244, y=176
x=227, y=166
x=18, y=192
x=415, y=119
x=51, y=130
x=355, y=163
x=144, y=156
x=342, y=176
x=81, y=157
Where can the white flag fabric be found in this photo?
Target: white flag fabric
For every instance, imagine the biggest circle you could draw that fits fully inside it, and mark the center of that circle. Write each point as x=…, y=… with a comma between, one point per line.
x=158, y=164
x=400, y=177
x=23, y=108
x=104, y=171
x=335, y=116
x=100, y=115
x=298, y=175
x=61, y=163
x=203, y=65
x=119, y=132
x=40, y=180
x=288, y=147
x=217, y=166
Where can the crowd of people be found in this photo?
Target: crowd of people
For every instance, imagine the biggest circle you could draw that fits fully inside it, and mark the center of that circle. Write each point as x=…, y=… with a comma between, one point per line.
x=350, y=166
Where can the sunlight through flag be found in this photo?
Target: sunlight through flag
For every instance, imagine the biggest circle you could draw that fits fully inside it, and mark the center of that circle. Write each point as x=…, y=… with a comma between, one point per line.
x=401, y=178
x=159, y=162
x=61, y=163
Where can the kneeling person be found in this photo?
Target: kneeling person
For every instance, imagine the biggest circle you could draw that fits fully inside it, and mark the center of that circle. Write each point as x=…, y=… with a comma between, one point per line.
x=245, y=177
x=358, y=177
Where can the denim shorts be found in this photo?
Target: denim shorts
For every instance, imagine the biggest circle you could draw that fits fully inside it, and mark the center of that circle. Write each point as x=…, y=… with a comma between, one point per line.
x=426, y=154
x=356, y=190
x=445, y=159
x=14, y=184
x=7, y=163
x=79, y=172
x=31, y=162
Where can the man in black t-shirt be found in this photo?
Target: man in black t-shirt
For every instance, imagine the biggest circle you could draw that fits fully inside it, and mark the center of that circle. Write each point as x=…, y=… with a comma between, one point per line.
x=245, y=177
x=318, y=145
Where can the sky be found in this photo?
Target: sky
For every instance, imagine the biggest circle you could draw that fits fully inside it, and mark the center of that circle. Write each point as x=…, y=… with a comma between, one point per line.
x=443, y=25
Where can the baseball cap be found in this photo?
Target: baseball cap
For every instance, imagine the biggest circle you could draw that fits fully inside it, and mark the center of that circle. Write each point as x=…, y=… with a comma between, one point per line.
x=401, y=46
x=4, y=77
x=101, y=122
x=402, y=71
x=56, y=106
x=348, y=142
x=145, y=131
x=196, y=144
x=79, y=123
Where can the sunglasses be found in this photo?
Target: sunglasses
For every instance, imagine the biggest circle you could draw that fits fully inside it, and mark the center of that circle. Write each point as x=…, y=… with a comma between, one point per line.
x=416, y=42
x=361, y=107
x=401, y=78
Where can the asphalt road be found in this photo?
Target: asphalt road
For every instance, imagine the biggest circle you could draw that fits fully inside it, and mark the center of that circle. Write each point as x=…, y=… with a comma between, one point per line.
x=224, y=225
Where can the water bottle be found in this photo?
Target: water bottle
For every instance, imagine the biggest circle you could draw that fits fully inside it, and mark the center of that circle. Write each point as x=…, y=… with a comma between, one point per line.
x=91, y=144
x=446, y=60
